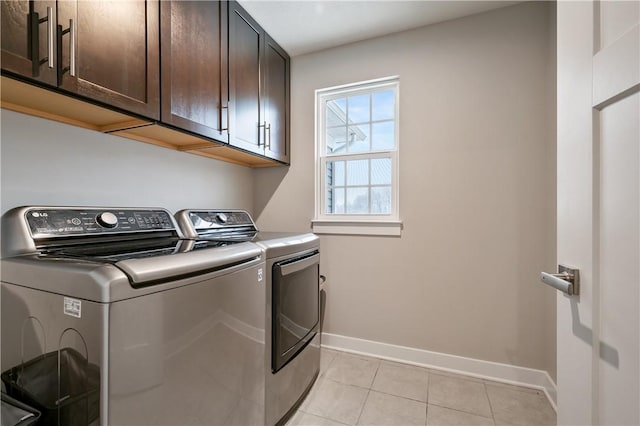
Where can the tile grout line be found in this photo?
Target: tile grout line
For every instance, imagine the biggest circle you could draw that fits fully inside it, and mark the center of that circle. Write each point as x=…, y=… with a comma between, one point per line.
x=493, y=416
x=426, y=408
x=323, y=417
x=368, y=393
x=463, y=412
x=392, y=394
x=362, y=409
x=335, y=355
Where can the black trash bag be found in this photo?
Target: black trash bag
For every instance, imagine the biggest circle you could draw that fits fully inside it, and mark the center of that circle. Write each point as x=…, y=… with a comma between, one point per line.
x=35, y=383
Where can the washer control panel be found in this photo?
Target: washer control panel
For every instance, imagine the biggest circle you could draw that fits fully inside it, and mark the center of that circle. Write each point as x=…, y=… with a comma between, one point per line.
x=220, y=219
x=48, y=222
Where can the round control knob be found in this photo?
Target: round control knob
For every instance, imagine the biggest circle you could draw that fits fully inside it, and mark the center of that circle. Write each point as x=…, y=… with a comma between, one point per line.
x=107, y=219
x=221, y=218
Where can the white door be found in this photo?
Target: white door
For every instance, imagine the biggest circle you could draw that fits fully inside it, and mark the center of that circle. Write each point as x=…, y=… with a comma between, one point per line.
x=598, y=112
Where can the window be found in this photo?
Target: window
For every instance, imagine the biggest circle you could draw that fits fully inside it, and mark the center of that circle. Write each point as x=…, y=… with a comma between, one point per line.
x=357, y=158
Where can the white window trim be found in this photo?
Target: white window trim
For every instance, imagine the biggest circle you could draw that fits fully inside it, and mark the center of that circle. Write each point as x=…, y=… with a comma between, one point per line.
x=383, y=225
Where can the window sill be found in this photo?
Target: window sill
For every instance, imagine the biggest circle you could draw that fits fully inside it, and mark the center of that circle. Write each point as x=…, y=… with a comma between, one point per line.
x=345, y=227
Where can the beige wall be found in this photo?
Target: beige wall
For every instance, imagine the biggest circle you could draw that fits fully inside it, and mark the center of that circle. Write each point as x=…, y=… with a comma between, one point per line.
x=477, y=188
x=44, y=162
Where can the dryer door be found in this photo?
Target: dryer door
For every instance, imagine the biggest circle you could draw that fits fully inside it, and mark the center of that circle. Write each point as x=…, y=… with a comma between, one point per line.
x=295, y=307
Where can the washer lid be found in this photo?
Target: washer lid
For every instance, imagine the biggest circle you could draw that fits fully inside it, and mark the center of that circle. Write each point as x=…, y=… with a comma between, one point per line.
x=144, y=271
x=105, y=282
x=151, y=261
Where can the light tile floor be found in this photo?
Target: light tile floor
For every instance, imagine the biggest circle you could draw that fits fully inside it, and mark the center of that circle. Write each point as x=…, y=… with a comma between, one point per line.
x=358, y=390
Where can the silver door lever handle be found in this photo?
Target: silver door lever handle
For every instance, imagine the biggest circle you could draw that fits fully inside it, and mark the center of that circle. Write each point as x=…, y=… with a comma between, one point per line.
x=566, y=280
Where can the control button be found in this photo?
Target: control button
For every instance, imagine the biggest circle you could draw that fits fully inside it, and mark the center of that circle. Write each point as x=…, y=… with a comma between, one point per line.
x=221, y=218
x=76, y=221
x=107, y=219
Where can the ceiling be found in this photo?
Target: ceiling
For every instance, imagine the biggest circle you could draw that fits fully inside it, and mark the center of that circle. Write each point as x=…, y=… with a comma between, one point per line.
x=304, y=26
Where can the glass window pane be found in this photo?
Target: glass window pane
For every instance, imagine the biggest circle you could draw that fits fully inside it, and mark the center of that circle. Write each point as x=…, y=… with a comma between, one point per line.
x=384, y=104
x=359, y=109
x=357, y=172
x=359, y=140
x=336, y=112
x=337, y=201
x=335, y=173
x=383, y=135
x=336, y=139
x=328, y=200
x=357, y=200
x=381, y=200
x=334, y=201
x=358, y=126
x=381, y=171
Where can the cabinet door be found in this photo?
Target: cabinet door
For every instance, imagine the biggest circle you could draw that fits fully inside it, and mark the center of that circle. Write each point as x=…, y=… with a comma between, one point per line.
x=276, y=101
x=245, y=49
x=109, y=52
x=194, y=70
x=28, y=39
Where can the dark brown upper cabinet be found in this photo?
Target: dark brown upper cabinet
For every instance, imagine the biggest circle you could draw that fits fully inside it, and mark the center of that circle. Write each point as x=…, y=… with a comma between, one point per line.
x=193, y=41
x=179, y=74
x=108, y=51
x=276, y=101
x=29, y=39
x=245, y=39
x=258, y=88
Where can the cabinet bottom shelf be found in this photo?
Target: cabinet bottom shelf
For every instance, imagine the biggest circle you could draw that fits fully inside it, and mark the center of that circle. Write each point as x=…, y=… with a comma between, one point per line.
x=51, y=105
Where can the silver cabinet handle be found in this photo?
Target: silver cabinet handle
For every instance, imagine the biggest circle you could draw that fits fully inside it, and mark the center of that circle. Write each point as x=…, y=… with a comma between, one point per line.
x=50, y=35
x=72, y=48
x=567, y=280
x=264, y=133
x=34, y=27
x=224, y=116
x=268, y=139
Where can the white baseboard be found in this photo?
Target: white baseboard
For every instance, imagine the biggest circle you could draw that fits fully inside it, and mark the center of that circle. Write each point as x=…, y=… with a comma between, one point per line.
x=504, y=373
